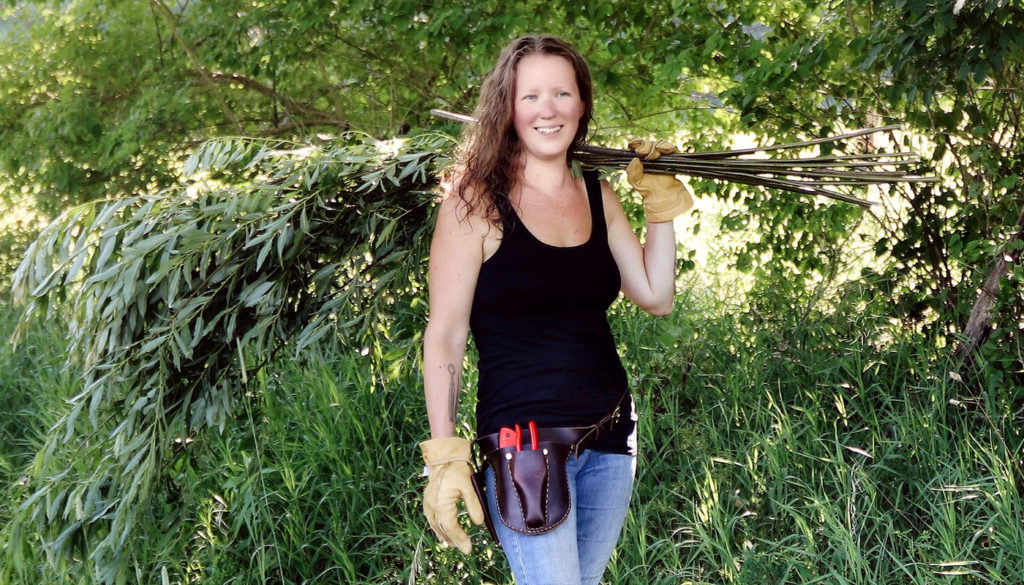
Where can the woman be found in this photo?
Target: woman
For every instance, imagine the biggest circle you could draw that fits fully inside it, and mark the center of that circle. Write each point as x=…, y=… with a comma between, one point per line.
x=529, y=257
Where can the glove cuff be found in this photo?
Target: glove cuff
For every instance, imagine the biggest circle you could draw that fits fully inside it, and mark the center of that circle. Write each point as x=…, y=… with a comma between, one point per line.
x=660, y=213
x=446, y=450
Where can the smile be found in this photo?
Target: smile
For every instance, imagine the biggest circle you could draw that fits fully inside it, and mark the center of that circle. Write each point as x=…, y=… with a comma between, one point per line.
x=548, y=129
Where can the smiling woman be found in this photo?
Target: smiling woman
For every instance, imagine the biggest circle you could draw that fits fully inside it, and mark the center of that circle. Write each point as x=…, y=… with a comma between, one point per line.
x=528, y=256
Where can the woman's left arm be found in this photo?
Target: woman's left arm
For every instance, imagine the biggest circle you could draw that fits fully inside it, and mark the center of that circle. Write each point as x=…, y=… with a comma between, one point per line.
x=647, y=270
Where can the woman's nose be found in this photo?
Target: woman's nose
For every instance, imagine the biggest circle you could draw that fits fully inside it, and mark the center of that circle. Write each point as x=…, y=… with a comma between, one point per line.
x=547, y=108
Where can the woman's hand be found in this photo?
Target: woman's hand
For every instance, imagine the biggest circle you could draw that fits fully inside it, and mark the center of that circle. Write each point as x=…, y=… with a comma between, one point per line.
x=665, y=196
x=450, y=481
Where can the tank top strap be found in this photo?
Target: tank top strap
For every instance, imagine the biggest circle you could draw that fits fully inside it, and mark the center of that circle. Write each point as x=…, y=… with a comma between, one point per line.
x=592, y=181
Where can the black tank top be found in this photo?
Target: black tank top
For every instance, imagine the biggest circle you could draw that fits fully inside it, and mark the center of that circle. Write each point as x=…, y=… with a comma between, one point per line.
x=538, y=319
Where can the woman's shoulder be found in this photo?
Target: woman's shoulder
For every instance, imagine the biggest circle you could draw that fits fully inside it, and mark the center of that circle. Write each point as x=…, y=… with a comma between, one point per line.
x=463, y=211
x=613, y=211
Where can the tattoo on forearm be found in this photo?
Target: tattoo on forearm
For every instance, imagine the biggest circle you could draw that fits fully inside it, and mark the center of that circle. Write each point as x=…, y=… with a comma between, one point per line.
x=454, y=382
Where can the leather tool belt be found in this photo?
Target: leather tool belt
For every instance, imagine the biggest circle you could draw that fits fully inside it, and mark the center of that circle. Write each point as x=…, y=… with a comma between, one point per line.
x=531, y=484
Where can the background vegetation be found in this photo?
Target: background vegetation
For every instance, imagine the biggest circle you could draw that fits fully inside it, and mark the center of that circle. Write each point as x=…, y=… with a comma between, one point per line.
x=216, y=371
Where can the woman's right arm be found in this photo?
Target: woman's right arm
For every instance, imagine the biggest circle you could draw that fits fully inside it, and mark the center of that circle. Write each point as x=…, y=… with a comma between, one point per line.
x=456, y=254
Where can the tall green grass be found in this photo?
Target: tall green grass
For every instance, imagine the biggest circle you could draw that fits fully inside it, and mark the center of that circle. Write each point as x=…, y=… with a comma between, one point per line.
x=34, y=382
x=320, y=483
x=834, y=450
x=826, y=446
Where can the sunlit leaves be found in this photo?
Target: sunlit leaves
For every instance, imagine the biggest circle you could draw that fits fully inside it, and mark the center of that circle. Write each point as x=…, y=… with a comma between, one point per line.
x=80, y=112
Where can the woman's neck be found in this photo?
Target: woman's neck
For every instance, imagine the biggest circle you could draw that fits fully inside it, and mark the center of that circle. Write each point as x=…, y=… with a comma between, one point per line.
x=552, y=174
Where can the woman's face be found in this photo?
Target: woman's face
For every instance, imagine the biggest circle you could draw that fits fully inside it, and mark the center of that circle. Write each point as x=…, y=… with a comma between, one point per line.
x=547, y=107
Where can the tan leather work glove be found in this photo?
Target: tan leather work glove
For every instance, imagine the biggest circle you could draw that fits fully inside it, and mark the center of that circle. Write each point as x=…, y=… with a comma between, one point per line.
x=450, y=471
x=664, y=196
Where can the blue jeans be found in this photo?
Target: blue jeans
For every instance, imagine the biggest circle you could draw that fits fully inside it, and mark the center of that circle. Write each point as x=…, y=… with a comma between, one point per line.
x=577, y=551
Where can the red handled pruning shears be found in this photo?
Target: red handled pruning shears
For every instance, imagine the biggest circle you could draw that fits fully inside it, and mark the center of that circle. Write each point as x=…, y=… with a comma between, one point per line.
x=508, y=437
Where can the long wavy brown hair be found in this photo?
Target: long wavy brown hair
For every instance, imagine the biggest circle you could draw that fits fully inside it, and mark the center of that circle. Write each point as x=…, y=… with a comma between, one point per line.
x=489, y=156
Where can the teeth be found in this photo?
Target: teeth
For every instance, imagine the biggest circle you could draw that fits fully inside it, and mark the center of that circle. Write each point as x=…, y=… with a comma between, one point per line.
x=549, y=130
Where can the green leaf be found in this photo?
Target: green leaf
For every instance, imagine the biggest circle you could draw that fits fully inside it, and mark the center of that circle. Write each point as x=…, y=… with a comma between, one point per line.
x=254, y=293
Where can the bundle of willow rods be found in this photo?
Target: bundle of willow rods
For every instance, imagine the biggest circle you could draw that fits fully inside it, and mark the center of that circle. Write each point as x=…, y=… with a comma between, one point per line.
x=808, y=175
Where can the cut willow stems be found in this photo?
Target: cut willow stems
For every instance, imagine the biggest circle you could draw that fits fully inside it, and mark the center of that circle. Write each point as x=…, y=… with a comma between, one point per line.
x=809, y=176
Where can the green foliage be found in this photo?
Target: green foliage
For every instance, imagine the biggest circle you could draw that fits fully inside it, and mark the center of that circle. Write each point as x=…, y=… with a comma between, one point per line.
x=949, y=72
x=18, y=229
x=768, y=453
x=82, y=112
x=100, y=99
x=835, y=449
x=35, y=380
x=981, y=38
x=323, y=486
x=176, y=298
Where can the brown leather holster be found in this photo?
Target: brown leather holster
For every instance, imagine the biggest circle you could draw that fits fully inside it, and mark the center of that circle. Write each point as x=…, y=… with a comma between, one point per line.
x=531, y=485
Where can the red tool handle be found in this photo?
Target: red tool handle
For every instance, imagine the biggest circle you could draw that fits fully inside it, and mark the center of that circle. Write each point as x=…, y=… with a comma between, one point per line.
x=506, y=437
x=533, y=436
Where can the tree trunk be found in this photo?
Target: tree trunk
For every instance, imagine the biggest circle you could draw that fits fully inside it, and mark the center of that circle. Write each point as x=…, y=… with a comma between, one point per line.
x=978, y=324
